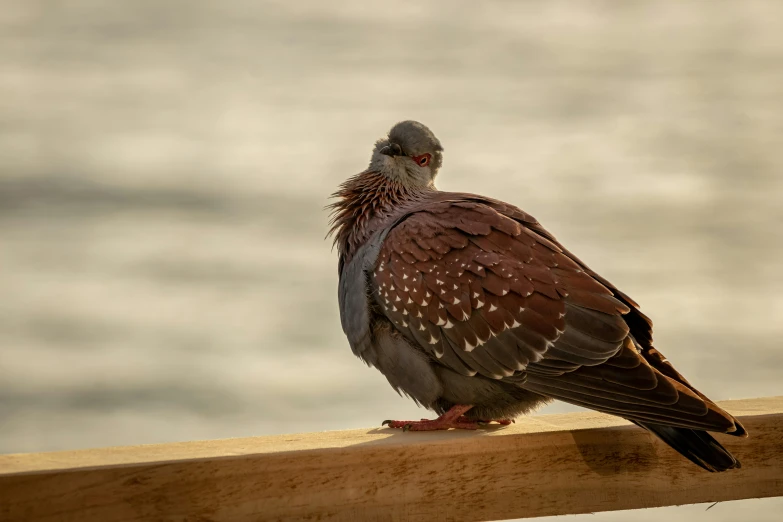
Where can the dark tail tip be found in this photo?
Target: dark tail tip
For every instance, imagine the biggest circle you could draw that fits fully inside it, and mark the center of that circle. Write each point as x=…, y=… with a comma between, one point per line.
x=697, y=446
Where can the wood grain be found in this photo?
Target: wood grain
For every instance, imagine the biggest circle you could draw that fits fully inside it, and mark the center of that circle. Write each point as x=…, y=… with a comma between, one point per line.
x=546, y=465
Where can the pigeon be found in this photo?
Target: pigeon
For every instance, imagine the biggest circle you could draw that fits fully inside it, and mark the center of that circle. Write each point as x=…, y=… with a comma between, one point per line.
x=471, y=308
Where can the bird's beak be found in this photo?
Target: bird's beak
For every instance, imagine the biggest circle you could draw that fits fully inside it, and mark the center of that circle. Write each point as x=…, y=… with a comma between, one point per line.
x=392, y=149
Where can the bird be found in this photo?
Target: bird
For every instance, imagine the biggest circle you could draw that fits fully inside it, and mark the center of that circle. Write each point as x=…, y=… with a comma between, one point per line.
x=470, y=307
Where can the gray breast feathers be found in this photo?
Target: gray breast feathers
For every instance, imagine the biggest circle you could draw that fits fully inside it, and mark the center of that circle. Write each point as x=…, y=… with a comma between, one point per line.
x=353, y=293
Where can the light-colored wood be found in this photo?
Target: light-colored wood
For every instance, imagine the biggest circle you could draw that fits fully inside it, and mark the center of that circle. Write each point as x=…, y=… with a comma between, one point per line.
x=546, y=465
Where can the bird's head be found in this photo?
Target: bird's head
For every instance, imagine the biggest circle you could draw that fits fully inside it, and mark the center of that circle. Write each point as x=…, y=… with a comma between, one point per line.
x=410, y=155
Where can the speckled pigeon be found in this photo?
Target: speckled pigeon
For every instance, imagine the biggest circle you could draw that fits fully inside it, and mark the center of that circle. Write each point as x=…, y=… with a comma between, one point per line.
x=471, y=308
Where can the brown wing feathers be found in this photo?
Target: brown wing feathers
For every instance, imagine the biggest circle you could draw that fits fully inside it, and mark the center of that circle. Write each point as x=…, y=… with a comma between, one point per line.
x=483, y=293
x=482, y=288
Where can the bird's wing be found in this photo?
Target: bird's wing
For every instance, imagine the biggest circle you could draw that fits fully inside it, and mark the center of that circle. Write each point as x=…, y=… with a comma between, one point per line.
x=482, y=288
x=484, y=293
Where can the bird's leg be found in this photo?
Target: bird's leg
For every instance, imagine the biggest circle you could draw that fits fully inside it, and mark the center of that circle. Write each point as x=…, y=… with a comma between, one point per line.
x=454, y=418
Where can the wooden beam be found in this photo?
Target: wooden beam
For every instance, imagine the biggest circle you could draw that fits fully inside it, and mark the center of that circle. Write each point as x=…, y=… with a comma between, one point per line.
x=545, y=465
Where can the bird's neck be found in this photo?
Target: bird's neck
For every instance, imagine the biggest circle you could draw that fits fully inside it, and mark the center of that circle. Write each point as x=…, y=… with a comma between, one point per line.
x=366, y=202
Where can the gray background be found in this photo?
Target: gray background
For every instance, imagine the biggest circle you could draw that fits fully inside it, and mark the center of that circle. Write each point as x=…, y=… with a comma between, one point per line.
x=164, y=167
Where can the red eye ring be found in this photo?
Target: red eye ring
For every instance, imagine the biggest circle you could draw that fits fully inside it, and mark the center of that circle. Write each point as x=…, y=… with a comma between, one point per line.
x=422, y=160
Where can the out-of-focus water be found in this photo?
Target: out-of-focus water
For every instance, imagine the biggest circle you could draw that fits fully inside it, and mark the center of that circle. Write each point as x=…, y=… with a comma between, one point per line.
x=164, y=167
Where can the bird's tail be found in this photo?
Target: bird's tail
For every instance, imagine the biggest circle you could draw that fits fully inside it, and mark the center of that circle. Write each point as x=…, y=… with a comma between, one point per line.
x=697, y=446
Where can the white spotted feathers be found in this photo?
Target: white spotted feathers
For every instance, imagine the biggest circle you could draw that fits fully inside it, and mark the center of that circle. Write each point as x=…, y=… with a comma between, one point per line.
x=478, y=289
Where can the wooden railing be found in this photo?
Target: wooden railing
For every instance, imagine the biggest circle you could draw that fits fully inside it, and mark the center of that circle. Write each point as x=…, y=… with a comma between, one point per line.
x=545, y=465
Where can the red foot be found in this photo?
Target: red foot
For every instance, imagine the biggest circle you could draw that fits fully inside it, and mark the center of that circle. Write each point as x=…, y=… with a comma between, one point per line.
x=431, y=425
x=453, y=418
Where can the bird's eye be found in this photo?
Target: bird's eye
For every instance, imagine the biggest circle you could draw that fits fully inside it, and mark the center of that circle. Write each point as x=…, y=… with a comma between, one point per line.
x=423, y=160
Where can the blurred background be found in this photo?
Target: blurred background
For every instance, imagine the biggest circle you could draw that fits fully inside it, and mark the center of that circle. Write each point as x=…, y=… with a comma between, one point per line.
x=164, y=167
